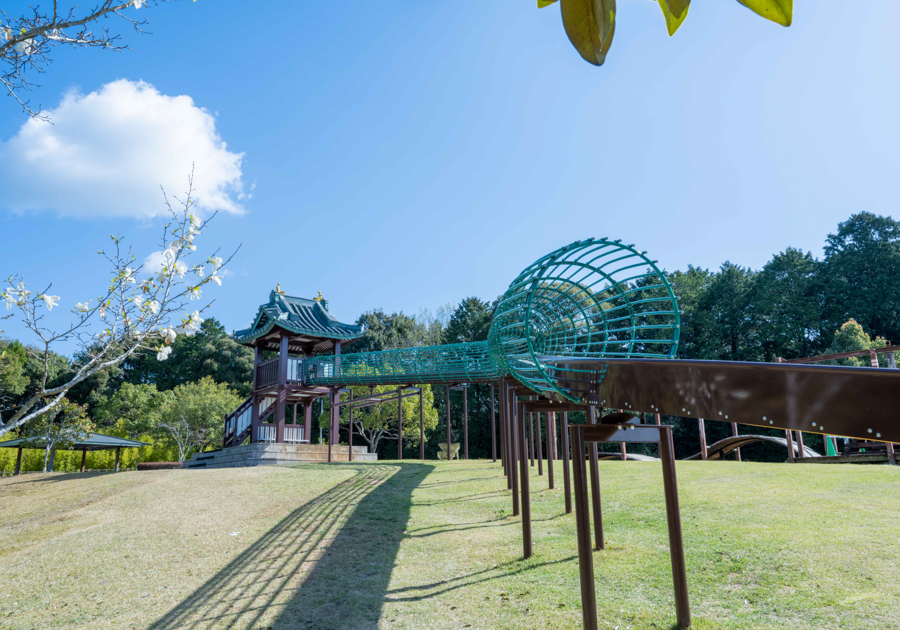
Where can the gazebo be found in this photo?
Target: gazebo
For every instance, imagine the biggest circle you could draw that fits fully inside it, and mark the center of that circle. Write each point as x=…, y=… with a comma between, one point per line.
x=93, y=442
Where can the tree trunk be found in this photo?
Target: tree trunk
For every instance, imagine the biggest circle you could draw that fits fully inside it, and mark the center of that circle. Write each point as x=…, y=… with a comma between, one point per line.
x=46, y=456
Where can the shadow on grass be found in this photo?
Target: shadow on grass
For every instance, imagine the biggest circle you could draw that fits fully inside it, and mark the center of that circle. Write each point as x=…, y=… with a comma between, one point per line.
x=56, y=477
x=326, y=565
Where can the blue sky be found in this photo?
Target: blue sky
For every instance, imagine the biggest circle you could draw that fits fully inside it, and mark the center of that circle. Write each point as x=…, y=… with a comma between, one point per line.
x=409, y=154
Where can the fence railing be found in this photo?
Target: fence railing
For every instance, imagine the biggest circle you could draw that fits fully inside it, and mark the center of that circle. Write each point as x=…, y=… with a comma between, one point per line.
x=265, y=433
x=267, y=373
x=293, y=435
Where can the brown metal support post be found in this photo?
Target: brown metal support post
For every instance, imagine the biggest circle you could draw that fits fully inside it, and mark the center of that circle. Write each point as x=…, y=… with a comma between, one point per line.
x=551, y=432
x=790, y=445
x=18, y=461
x=118, y=452
x=583, y=532
x=254, y=399
x=280, y=411
x=702, y=426
x=350, y=422
x=595, y=486
x=421, y=426
x=516, y=453
x=673, y=516
x=83, y=458
x=331, y=410
x=530, y=421
x=307, y=421
x=399, y=423
x=466, y=421
x=449, y=450
x=505, y=452
x=567, y=460
x=800, y=453
x=540, y=444
x=527, y=546
x=734, y=432
x=493, y=428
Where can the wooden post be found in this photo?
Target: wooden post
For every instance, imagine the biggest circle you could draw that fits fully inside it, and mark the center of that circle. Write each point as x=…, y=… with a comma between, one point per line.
x=83, y=458
x=623, y=452
x=676, y=540
x=331, y=409
x=526, y=494
x=702, y=426
x=18, y=469
x=734, y=432
x=449, y=450
x=530, y=421
x=466, y=421
x=421, y=426
x=400, y=423
x=307, y=420
x=551, y=433
x=595, y=486
x=539, y=444
x=790, y=445
x=493, y=428
x=254, y=399
x=282, y=388
x=516, y=453
x=800, y=453
x=350, y=439
x=567, y=461
x=118, y=452
x=583, y=533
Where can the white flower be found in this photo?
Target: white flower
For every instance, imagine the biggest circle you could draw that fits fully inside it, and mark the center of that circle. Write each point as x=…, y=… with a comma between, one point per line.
x=181, y=269
x=162, y=274
x=10, y=299
x=163, y=353
x=153, y=306
x=194, y=292
x=196, y=319
x=216, y=262
x=22, y=293
x=199, y=271
x=138, y=300
x=169, y=334
x=216, y=278
x=128, y=276
x=50, y=300
x=83, y=307
x=25, y=46
x=138, y=3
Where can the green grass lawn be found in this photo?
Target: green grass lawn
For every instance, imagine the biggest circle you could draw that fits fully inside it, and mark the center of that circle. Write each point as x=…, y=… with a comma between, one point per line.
x=434, y=545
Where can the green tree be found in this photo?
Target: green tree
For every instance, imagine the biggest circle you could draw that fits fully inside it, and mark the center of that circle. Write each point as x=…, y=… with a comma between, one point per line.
x=470, y=321
x=379, y=422
x=67, y=423
x=193, y=416
x=861, y=274
x=139, y=406
x=851, y=337
x=210, y=352
x=690, y=288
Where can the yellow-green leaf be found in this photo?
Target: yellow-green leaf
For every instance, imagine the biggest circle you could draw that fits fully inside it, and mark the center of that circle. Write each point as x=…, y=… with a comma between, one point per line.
x=675, y=11
x=590, y=25
x=544, y=3
x=779, y=11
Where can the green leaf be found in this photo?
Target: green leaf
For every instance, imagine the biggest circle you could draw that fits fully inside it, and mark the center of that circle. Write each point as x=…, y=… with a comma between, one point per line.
x=544, y=3
x=675, y=12
x=779, y=11
x=590, y=25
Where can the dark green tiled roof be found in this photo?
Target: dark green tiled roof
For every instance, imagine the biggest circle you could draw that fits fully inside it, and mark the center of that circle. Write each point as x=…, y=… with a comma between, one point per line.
x=94, y=442
x=302, y=317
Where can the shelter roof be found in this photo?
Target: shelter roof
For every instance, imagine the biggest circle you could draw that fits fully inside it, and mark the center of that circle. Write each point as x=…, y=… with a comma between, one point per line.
x=311, y=327
x=93, y=442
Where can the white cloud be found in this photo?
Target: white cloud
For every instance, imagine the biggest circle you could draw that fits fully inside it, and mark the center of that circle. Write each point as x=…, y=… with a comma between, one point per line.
x=108, y=152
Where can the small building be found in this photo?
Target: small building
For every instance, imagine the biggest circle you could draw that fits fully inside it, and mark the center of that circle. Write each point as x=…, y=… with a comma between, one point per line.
x=93, y=442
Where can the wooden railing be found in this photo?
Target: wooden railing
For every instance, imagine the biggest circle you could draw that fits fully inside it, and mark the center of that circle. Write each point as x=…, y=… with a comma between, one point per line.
x=265, y=433
x=293, y=435
x=267, y=373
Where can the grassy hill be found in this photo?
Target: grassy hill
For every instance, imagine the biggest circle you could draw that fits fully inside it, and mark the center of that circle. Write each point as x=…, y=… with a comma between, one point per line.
x=433, y=545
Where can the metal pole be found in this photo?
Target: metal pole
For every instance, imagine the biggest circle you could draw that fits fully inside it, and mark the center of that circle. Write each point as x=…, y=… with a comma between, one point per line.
x=566, y=460
x=526, y=494
x=331, y=409
x=18, y=469
x=530, y=421
x=583, y=532
x=800, y=453
x=399, y=423
x=493, y=428
x=551, y=445
x=595, y=486
x=539, y=444
x=517, y=453
x=673, y=516
x=466, y=421
x=421, y=426
x=350, y=439
x=449, y=450
x=790, y=445
x=734, y=432
x=702, y=426
x=307, y=421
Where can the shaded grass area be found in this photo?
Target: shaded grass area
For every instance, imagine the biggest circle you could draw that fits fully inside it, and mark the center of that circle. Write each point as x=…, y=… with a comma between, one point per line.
x=433, y=545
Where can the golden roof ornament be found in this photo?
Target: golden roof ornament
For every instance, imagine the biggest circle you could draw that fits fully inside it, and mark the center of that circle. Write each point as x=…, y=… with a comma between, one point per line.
x=319, y=298
x=278, y=289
